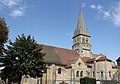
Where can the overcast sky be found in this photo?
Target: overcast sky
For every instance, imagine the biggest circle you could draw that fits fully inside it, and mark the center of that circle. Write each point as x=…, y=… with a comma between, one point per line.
x=52, y=22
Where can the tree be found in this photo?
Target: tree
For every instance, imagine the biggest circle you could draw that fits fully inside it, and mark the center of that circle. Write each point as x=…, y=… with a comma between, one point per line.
x=3, y=35
x=23, y=57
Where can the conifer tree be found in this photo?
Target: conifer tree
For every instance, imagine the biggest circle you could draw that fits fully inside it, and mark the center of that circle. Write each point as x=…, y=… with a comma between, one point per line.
x=23, y=57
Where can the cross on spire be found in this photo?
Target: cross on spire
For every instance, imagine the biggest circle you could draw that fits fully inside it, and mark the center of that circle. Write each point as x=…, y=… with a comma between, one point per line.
x=82, y=5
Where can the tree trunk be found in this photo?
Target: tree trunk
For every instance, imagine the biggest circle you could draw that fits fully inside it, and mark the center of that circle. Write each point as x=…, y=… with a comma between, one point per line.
x=20, y=77
x=9, y=81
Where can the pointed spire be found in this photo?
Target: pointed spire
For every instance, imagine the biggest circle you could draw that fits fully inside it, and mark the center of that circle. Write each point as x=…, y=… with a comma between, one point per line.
x=81, y=27
x=80, y=18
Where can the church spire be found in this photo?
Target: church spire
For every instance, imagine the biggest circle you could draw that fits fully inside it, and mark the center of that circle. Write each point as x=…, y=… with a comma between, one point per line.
x=80, y=18
x=81, y=27
x=81, y=37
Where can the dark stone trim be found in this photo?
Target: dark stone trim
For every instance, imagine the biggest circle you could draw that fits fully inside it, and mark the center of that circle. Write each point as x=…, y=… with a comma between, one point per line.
x=81, y=34
x=86, y=49
x=76, y=44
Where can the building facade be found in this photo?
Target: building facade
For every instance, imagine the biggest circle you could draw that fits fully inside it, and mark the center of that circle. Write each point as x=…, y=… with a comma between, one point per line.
x=68, y=66
x=116, y=76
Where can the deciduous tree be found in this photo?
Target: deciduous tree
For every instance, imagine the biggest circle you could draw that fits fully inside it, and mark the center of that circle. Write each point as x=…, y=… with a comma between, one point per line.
x=3, y=35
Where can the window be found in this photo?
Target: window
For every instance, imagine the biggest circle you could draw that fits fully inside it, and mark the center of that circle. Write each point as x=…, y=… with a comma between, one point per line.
x=77, y=74
x=83, y=41
x=102, y=75
x=38, y=81
x=93, y=74
x=81, y=74
x=79, y=64
x=75, y=40
x=110, y=74
x=78, y=38
x=86, y=40
x=59, y=71
x=118, y=78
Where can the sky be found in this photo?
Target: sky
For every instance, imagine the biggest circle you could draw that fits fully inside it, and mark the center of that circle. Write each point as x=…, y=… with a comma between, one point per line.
x=53, y=22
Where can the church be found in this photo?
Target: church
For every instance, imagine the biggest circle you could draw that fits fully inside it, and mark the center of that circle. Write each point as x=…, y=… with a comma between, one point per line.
x=69, y=65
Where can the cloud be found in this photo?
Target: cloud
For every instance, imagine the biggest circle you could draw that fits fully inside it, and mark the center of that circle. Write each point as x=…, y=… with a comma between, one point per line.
x=16, y=8
x=116, y=14
x=99, y=8
x=112, y=14
x=16, y=13
x=9, y=3
x=93, y=6
x=107, y=14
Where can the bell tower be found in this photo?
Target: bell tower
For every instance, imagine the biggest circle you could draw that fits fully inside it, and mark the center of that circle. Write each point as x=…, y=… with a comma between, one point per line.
x=81, y=38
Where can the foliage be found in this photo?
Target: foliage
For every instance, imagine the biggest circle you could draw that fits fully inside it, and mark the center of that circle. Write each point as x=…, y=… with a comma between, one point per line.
x=23, y=57
x=3, y=35
x=3, y=31
x=87, y=80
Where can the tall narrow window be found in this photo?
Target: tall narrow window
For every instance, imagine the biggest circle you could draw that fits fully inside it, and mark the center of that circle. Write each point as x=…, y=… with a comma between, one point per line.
x=38, y=81
x=81, y=74
x=77, y=74
x=110, y=74
x=87, y=41
x=83, y=41
x=77, y=38
x=93, y=74
x=102, y=75
x=59, y=71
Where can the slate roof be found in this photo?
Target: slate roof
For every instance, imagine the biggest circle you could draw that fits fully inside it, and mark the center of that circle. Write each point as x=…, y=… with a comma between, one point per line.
x=118, y=59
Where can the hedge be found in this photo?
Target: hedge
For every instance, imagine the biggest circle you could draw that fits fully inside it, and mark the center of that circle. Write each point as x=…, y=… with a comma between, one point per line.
x=87, y=80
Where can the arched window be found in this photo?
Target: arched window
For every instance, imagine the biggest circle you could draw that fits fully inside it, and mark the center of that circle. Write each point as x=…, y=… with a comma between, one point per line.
x=87, y=41
x=79, y=64
x=110, y=74
x=59, y=71
x=81, y=74
x=77, y=74
x=102, y=75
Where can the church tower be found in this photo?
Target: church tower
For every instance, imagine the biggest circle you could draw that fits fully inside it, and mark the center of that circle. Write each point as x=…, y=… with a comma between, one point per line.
x=81, y=38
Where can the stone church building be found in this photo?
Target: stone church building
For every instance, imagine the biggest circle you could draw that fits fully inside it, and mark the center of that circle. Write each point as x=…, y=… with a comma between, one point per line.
x=68, y=66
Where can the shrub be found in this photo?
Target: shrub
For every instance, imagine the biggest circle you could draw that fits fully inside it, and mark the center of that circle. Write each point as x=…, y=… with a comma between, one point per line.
x=87, y=80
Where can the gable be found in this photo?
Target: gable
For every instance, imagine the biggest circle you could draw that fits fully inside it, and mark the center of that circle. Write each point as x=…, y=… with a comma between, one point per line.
x=80, y=62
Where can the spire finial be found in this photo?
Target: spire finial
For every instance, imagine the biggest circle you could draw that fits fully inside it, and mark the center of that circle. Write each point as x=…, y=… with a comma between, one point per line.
x=81, y=5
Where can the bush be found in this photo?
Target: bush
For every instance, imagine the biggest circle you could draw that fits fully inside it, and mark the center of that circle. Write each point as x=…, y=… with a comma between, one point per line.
x=87, y=80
